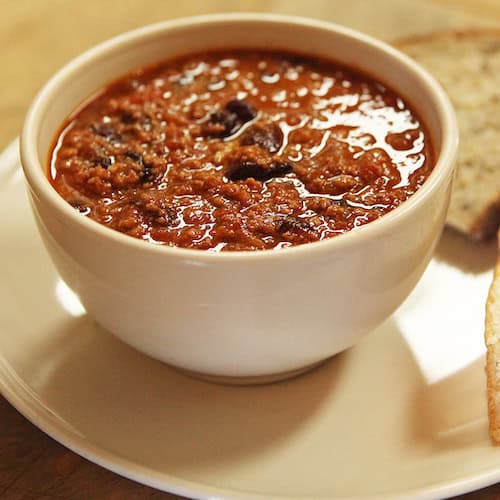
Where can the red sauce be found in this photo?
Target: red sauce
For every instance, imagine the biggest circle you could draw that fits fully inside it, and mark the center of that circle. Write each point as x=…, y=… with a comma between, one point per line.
x=240, y=150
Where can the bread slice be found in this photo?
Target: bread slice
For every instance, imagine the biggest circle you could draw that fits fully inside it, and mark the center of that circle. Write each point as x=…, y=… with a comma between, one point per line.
x=492, y=339
x=467, y=64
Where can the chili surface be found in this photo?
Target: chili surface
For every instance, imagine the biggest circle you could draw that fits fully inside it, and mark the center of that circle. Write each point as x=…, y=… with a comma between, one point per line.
x=240, y=150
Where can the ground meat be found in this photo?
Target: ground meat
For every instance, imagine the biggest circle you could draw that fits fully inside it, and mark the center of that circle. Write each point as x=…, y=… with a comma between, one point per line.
x=240, y=150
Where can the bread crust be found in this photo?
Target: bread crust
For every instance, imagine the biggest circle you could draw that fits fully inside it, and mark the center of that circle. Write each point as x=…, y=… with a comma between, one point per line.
x=492, y=341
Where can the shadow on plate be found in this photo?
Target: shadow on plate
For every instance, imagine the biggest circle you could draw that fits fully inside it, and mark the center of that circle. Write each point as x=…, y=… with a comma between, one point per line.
x=470, y=256
x=109, y=391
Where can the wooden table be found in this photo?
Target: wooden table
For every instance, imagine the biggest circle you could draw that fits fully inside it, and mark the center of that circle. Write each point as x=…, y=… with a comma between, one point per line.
x=36, y=38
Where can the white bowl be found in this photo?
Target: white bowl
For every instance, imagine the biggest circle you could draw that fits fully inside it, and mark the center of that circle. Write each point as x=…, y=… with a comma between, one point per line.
x=241, y=314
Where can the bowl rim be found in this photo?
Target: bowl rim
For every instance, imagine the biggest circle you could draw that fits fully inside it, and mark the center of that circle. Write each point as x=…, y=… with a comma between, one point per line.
x=38, y=182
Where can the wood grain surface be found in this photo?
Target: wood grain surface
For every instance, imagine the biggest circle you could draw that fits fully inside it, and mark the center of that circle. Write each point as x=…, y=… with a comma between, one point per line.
x=36, y=38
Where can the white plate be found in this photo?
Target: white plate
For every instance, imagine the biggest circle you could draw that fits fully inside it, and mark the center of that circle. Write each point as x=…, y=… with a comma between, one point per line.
x=403, y=414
